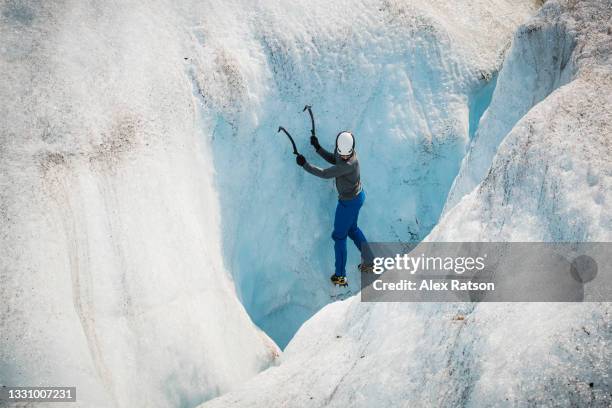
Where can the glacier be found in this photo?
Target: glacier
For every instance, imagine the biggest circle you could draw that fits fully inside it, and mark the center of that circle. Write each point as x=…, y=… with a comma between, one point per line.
x=159, y=243
x=112, y=276
x=547, y=178
x=407, y=77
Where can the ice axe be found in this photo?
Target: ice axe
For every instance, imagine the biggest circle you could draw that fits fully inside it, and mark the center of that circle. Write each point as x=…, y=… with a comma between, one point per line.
x=312, y=129
x=295, y=151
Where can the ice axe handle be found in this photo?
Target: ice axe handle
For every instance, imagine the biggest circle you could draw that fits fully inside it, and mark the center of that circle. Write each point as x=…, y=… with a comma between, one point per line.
x=312, y=129
x=295, y=151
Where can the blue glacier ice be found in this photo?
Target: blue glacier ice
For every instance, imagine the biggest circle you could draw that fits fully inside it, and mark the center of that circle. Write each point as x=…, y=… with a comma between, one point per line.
x=410, y=80
x=540, y=167
x=158, y=243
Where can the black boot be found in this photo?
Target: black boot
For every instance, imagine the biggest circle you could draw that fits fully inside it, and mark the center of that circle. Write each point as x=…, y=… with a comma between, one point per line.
x=339, y=280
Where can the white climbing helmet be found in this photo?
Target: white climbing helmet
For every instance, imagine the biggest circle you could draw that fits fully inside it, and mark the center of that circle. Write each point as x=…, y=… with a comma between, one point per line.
x=345, y=143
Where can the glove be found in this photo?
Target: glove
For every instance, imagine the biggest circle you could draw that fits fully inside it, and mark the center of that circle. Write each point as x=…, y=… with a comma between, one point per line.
x=300, y=160
x=315, y=142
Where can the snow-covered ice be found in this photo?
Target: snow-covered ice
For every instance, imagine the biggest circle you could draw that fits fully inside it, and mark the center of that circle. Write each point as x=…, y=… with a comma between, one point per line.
x=542, y=59
x=151, y=217
x=549, y=179
x=406, y=77
x=111, y=270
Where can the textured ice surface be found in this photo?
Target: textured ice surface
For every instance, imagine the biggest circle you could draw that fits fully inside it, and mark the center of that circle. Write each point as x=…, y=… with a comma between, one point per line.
x=111, y=270
x=549, y=179
x=408, y=77
x=549, y=176
x=140, y=167
x=542, y=59
x=399, y=354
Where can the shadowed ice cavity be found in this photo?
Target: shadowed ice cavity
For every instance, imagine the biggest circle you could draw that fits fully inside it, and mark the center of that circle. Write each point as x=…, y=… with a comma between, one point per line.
x=412, y=106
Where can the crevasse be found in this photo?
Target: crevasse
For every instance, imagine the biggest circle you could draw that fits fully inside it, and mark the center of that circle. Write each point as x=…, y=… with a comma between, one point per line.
x=548, y=179
x=411, y=80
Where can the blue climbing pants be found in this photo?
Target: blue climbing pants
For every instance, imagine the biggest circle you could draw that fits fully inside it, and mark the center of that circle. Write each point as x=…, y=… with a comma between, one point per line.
x=345, y=225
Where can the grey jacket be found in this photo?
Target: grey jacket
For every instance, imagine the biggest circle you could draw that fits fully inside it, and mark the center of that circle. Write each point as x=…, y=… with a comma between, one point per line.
x=348, y=180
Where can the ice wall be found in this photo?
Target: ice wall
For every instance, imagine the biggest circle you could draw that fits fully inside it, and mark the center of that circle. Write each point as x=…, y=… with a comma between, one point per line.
x=549, y=176
x=540, y=61
x=111, y=271
x=549, y=180
x=406, y=77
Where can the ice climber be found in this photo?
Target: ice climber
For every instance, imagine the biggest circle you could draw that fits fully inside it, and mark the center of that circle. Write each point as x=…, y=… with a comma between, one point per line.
x=351, y=196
